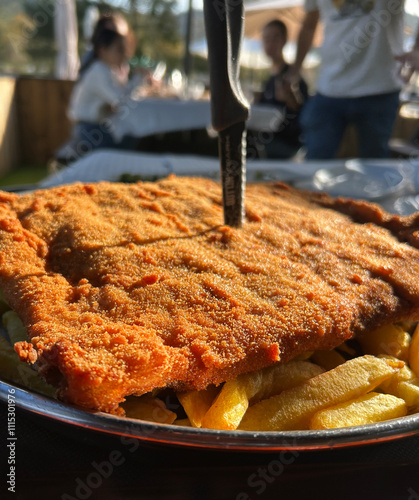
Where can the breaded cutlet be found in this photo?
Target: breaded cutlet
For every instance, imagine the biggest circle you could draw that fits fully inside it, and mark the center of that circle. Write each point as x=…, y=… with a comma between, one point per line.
x=124, y=288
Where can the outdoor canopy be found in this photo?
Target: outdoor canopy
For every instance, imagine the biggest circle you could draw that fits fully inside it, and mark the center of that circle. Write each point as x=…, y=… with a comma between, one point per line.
x=66, y=38
x=260, y=12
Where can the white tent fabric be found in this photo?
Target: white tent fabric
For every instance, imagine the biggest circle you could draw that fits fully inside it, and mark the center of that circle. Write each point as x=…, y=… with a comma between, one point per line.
x=66, y=37
x=260, y=12
x=251, y=54
x=272, y=4
x=90, y=19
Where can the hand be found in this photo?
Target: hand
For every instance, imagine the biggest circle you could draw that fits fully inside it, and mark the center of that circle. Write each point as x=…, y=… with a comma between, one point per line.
x=282, y=90
x=288, y=93
x=292, y=75
x=291, y=88
x=410, y=64
x=147, y=78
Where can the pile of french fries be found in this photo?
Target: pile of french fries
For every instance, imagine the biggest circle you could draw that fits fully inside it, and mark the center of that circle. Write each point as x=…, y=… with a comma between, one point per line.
x=328, y=389
x=376, y=381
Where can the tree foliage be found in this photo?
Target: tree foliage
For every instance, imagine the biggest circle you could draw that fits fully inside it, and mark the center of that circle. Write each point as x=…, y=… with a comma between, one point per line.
x=27, y=32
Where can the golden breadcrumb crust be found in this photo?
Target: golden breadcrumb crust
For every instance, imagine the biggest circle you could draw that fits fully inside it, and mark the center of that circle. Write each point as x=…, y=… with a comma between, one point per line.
x=126, y=288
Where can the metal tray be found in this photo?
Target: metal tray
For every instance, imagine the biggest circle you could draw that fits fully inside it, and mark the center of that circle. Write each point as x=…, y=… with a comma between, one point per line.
x=208, y=438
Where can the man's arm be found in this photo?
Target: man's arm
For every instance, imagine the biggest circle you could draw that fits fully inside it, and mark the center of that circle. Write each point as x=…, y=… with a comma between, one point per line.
x=305, y=41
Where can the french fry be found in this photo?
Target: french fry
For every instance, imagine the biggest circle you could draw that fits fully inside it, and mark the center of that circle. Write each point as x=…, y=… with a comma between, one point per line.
x=291, y=396
x=13, y=370
x=197, y=403
x=344, y=347
x=328, y=359
x=408, y=326
x=234, y=398
x=403, y=375
x=14, y=327
x=414, y=352
x=184, y=422
x=390, y=339
x=405, y=385
x=294, y=408
x=367, y=409
x=409, y=391
x=148, y=408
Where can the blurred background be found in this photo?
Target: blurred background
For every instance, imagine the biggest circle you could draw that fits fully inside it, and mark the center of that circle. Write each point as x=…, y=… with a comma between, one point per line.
x=166, y=30
x=42, y=42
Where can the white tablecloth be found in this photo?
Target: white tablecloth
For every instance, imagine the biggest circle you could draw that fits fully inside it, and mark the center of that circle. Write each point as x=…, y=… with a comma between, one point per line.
x=394, y=184
x=109, y=165
x=143, y=117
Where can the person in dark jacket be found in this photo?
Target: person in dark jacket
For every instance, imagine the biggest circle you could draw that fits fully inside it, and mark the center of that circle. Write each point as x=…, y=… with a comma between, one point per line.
x=284, y=142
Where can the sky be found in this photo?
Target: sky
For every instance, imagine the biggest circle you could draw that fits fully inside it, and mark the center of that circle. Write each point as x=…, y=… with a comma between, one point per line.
x=184, y=4
x=411, y=6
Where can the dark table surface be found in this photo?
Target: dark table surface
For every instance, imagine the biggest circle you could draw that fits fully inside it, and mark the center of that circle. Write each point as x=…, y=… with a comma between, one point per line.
x=58, y=460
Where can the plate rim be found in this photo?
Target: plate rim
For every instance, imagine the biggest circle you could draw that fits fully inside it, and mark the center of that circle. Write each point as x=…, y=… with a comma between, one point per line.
x=210, y=439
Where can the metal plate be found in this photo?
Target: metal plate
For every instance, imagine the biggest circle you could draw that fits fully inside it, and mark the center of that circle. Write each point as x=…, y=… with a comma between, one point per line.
x=208, y=438
x=215, y=439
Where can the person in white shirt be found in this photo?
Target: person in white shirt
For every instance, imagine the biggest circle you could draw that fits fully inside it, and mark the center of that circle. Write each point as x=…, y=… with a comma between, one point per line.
x=359, y=80
x=109, y=21
x=98, y=93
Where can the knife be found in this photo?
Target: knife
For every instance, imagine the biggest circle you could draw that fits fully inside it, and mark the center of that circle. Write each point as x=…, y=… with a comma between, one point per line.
x=229, y=107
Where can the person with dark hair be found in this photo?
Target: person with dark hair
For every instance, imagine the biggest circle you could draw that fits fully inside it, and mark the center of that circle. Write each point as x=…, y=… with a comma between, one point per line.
x=99, y=92
x=114, y=22
x=286, y=141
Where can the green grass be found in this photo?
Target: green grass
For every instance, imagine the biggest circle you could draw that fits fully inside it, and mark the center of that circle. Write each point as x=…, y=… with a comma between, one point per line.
x=24, y=174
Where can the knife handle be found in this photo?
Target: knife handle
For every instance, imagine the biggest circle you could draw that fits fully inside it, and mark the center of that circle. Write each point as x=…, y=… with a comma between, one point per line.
x=224, y=31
